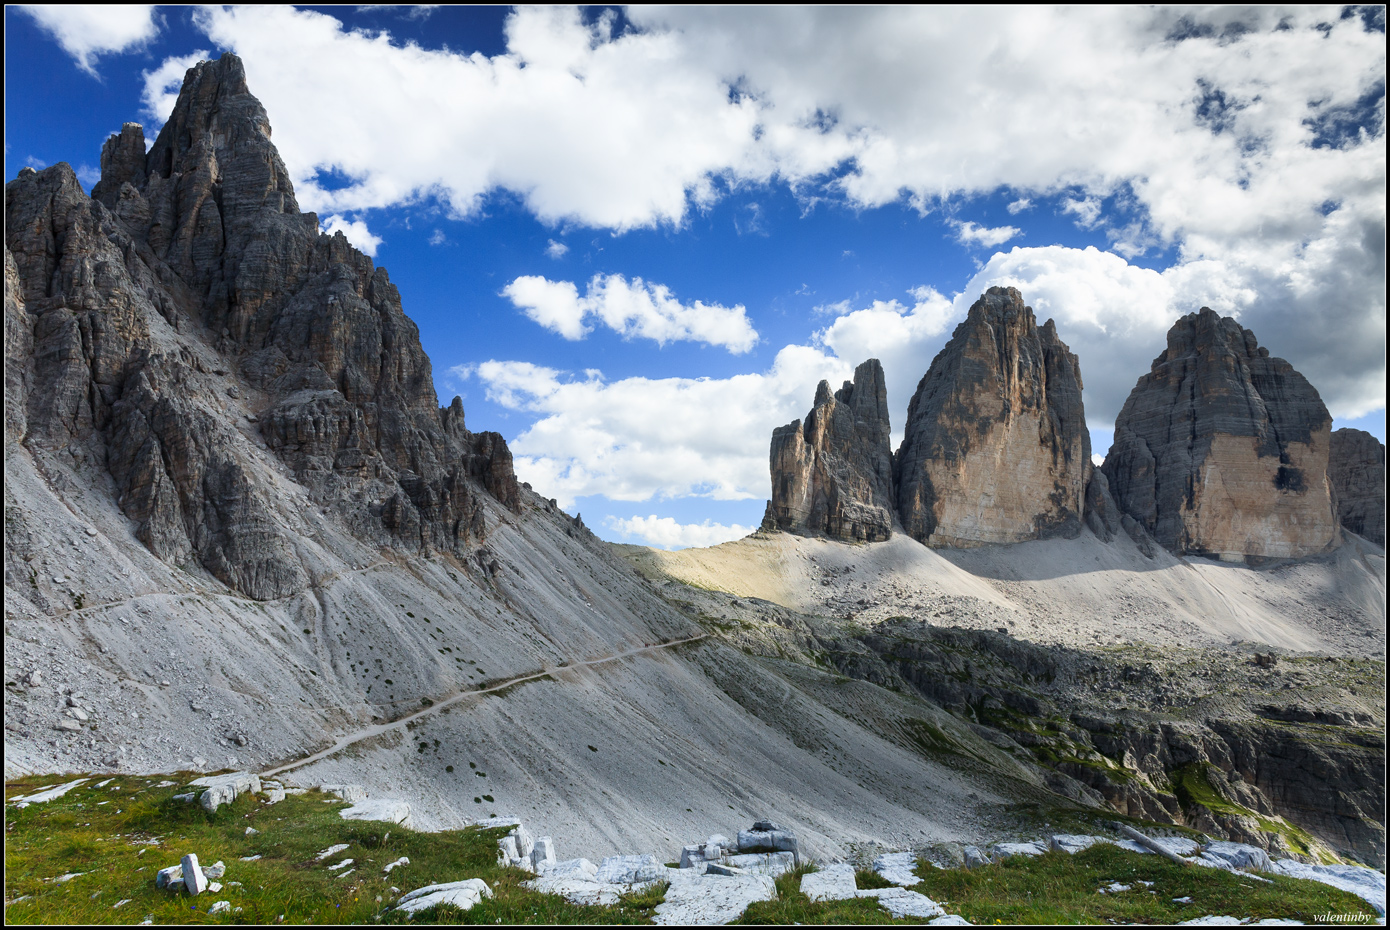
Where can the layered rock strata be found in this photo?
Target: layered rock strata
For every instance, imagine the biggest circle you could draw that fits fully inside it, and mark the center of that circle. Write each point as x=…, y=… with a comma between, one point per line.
x=833, y=474
x=1356, y=466
x=189, y=283
x=1222, y=450
x=995, y=448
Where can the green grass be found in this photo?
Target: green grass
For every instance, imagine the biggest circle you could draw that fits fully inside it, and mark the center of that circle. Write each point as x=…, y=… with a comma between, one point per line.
x=1059, y=888
x=140, y=829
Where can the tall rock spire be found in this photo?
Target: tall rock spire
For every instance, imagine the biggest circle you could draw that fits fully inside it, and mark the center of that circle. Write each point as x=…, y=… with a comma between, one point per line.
x=995, y=448
x=1222, y=450
x=188, y=306
x=833, y=475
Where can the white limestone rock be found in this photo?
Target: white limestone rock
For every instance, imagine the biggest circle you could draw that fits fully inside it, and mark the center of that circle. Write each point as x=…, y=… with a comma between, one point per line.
x=403, y=860
x=1367, y=884
x=578, y=889
x=47, y=794
x=899, y=902
x=1235, y=855
x=900, y=868
x=694, y=899
x=389, y=810
x=164, y=877
x=834, y=882
x=573, y=868
x=1000, y=850
x=627, y=870
x=335, y=848
x=464, y=895
x=194, y=881
x=950, y=920
x=220, y=906
x=975, y=857
x=350, y=793
x=542, y=854
x=1073, y=843
x=772, y=864
x=224, y=789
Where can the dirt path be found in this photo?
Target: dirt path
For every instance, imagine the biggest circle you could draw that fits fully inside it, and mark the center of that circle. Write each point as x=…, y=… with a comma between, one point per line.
x=377, y=729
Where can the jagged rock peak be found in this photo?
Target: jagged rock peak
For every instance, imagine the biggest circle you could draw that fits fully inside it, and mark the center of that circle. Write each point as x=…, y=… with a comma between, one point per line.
x=1357, y=468
x=833, y=475
x=187, y=321
x=995, y=448
x=1222, y=450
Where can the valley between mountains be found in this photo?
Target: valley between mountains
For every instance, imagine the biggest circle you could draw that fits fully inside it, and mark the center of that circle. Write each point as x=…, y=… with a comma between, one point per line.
x=242, y=533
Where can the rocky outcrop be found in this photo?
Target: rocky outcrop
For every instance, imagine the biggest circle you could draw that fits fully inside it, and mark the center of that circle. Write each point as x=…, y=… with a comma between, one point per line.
x=1222, y=450
x=833, y=475
x=1356, y=467
x=187, y=316
x=995, y=448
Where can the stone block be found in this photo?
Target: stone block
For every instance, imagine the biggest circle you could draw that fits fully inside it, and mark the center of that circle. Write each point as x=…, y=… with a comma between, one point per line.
x=1072, y=843
x=216, y=870
x=900, y=868
x=626, y=870
x=387, y=810
x=463, y=895
x=900, y=903
x=694, y=900
x=975, y=857
x=1000, y=850
x=774, y=863
x=351, y=793
x=833, y=882
x=163, y=877
x=194, y=881
x=542, y=854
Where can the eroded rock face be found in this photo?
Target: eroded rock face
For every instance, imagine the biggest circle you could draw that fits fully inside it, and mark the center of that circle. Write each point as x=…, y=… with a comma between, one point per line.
x=996, y=448
x=187, y=314
x=1356, y=466
x=833, y=475
x=1222, y=450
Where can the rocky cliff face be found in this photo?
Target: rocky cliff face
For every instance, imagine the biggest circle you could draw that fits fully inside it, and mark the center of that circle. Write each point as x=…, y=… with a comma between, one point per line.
x=833, y=475
x=1356, y=467
x=187, y=319
x=996, y=448
x=1222, y=450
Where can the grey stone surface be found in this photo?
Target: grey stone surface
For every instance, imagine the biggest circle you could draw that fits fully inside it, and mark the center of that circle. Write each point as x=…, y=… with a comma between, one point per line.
x=995, y=448
x=623, y=870
x=833, y=474
x=774, y=863
x=711, y=899
x=352, y=793
x=832, y=882
x=1073, y=843
x=900, y=902
x=194, y=881
x=1235, y=855
x=1000, y=850
x=1222, y=450
x=463, y=895
x=390, y=810
x=1356, y=466
x=900, y=868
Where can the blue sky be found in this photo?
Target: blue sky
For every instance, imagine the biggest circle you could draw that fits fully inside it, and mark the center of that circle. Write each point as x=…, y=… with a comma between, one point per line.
x=635, y=240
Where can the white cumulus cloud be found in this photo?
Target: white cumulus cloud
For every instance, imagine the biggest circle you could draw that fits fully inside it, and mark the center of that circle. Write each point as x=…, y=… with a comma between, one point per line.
x=666, y=533
x=556, y=249
x=637, y=438
x=85, y=32
x=634, y=309
x=968, y=233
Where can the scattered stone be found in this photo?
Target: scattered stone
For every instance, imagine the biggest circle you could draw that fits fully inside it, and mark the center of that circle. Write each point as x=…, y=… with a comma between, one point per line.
x=900, y=903
x=336, y=866
x=1073, y=843
x=694, y=899
x=216, y=870
x=403, y=860
x=773, y=864
x=250, y=858
x=389, y=810
x=627, y=870
x=220, y=906
x=975, y=857
x=336, y=848
x=350, y=793
x=224, y=789
x=119, y=903
x=47, y=794
x=194, y=881
x=1114, y=888
x=1185, y=899
x=542, y=854
x=950, y=920
x=900, y=868
x=214, y=887
x=252, y=831
x=463, y=895
x=833, y=882
x=164, y=877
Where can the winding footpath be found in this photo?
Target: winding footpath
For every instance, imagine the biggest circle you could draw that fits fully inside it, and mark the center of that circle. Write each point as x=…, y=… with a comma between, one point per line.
x=379, y=728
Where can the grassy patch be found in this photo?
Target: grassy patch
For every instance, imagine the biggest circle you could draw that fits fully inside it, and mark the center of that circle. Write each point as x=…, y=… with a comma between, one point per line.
x=1062, y=889
x=120, y=835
